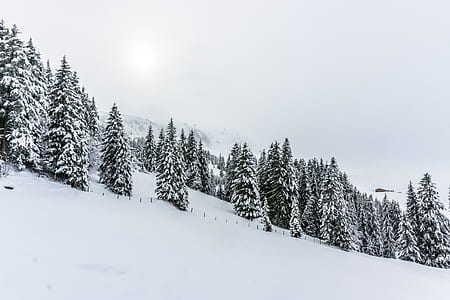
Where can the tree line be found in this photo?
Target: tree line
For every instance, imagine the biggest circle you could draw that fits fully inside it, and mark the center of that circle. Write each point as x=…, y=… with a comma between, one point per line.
x=50, y=124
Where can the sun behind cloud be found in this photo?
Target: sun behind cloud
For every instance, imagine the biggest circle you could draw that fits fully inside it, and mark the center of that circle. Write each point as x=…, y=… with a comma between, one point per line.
x=141, y=56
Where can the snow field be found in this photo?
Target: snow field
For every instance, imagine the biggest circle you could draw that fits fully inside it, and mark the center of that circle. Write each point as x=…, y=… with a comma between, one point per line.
x=60, y=243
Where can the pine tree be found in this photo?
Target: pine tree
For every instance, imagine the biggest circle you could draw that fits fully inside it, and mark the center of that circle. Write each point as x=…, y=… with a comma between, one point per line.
x=231, y=171
x=280, y=187
x=66, y=155
x=48, y=74
x=302, y=184
x=335, y=229
x=261, y=174
x=21, y=103
x=245, y=189
x=294, y=223
x=395, y=215
x=191, y=159
x=203, y=170
x=4, y=33
x=312, y=215
x=182, y=144
x=412, y=210
x=370, y=228
x=93, y=129
x=350, y=198
x=40, y=91
x=115, y=170
x=434, y=242
x=267, y=225
x=289, y=179
x=407, y=242
x=92, y=118
x=81, y=148
x=388, y=234
x=159, y=148
x=170, y=178
x=149, y=155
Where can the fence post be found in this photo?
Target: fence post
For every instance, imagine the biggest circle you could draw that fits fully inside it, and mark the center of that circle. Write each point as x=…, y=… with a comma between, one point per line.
x=103, y=194
x=204, y=214
x=151, y=200
x=257, y=227
x=215, y=218
x=140, y=199
x=192, y=209
x=117, y=196
x=226, y=220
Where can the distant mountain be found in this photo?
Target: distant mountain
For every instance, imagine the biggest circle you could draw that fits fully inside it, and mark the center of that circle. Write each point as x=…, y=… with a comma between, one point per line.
x=216, y=141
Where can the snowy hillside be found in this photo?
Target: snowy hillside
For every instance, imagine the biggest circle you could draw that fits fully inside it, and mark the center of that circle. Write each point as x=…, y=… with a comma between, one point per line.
x=217, y=141
x=60, y=243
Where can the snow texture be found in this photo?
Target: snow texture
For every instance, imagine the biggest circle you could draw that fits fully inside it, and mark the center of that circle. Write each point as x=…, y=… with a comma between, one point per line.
x=61, y=243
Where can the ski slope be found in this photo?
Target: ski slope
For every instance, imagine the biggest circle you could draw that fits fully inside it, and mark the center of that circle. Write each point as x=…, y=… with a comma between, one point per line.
x=62, y=244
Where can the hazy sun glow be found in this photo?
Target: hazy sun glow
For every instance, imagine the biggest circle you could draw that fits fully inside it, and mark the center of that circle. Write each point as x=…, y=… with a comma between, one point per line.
x=142, y=57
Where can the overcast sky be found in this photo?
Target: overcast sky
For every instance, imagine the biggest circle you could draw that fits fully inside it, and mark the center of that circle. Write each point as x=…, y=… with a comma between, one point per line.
x=365, y=81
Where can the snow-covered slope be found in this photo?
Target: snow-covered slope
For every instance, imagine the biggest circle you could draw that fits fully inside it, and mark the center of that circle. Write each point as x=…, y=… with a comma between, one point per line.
x=217, y=141
x=60, y=243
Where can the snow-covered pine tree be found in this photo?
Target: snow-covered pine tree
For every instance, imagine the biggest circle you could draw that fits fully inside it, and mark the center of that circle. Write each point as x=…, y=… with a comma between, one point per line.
x=434, y=242
x=302, y=184
x=230, y=171
x=182, y=144
x=81, y=148
x=351, y=200
x=149, y=155
x=245, y=188
x=267, y=225
x=40, y=91
x=48, y=74
x=370, y=228
x=280, y=187
x=66, y=153
x=407, y=243
x=261, y=174
x=358, y=202
x=21, y=102
x=289, y=179
x=159, y=148
x=395, y=213
x=170, y=178
x=412, y=210
x=294, y=222
x=203, y=170
x=311, y=218
x=93, y=129
x=388, y=240
x=90, y=122
x=4, y=32
x=191, y=159
x=335, y=229
x=115, y=169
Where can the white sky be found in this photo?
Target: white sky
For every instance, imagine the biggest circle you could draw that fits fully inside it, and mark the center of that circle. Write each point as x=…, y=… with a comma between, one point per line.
x=365, y=81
